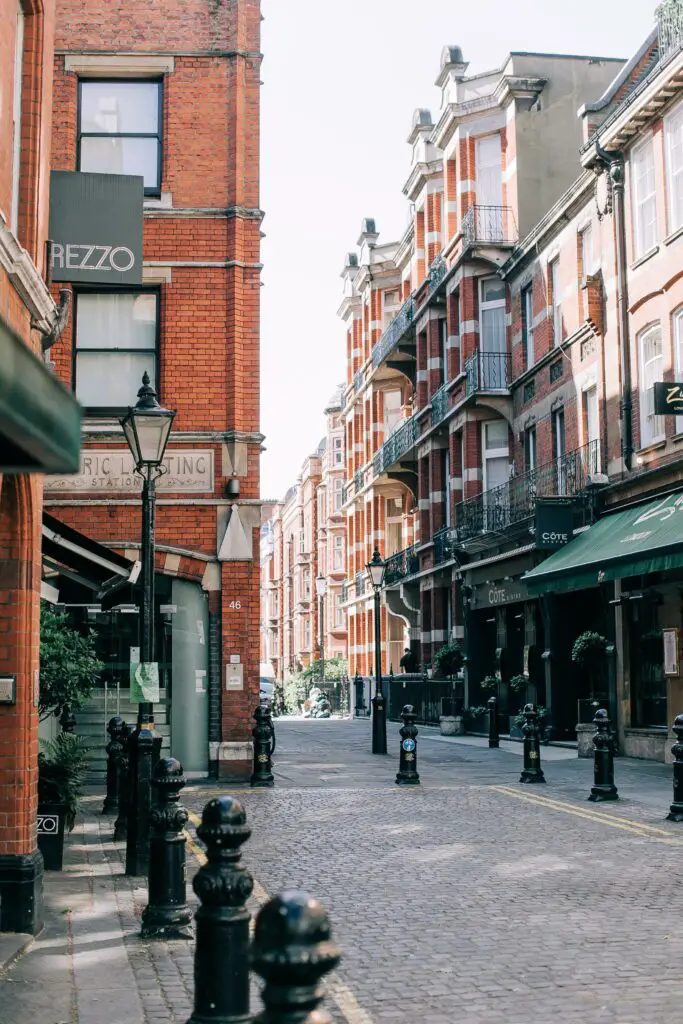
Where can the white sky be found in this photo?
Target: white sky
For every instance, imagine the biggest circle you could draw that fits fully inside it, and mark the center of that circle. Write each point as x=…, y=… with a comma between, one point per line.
x=341, y=81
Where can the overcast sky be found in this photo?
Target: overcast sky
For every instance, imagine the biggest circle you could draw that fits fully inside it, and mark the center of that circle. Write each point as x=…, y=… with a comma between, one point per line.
x=341, y=81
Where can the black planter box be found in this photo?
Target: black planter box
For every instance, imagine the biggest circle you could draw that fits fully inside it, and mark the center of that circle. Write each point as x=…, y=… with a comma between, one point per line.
x=51, y=818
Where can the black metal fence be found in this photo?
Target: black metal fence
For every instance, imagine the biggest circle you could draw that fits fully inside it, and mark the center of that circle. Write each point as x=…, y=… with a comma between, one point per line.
x=430, y=698
x=337, y=693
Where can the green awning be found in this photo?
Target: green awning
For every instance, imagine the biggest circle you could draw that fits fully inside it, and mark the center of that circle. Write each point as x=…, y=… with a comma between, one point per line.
x=40, y=420
x=648, y=538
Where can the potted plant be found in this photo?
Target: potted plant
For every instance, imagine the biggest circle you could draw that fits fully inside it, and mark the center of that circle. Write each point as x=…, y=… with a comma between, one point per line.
x=447, y=663
x=590, y=653
x=544, y=725
x=62, y=767
x=69, y=666
x=489, y=683
x=517, y=684
x=476, y=719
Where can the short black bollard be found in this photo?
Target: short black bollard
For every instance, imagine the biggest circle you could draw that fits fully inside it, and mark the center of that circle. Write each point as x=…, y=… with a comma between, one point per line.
x=360, y=696
x=223, y=885
x=676, y=808
x=493, y=722
x=264, y=747
x=67, y=719
x=293, y=950
x=603, y=770
x=114, y=748
x=407, y=766
x=167, y=915
x=532, y=771
x=121, y=823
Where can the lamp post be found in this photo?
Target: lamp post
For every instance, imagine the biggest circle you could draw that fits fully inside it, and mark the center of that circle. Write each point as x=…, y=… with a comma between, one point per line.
x=146, y=428
x=376, y=569
x=321, y=590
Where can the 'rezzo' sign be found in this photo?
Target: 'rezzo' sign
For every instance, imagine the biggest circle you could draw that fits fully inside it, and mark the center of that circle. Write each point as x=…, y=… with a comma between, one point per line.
x=96, y=228
x=48, y=824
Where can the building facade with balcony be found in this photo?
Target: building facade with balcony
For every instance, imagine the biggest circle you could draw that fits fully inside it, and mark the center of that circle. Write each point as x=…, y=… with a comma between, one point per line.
x=428, y=403
x=303, y=552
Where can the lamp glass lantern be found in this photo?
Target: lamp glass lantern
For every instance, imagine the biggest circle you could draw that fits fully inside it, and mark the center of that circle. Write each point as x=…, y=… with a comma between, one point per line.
x=320, y=586
x=147, y=426
x=376, y=569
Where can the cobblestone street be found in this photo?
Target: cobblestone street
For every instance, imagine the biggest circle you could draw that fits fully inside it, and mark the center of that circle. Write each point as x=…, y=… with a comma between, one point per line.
x=471, y=898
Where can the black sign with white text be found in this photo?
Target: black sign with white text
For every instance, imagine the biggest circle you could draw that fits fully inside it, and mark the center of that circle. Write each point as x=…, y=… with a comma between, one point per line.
x=96, y=228
x=668, y=398
x=554, y=524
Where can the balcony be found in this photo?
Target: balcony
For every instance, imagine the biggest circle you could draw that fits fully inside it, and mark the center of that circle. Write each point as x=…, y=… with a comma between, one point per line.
x=436, y=273
x=398, y=327
x=439, y=404
x=501, y=507
x=489, y=225
x=403, y=563
x=487, y=371
x=361, y=583
x=358, y=380
x=396, y=446
x=445, y=543
x=670, y=25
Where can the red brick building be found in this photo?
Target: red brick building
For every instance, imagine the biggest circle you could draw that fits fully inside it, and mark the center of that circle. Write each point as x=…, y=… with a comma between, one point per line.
x=39, y=433
x=171, y=92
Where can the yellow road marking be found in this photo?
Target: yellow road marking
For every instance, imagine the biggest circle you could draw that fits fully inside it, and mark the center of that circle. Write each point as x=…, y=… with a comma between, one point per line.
x=638, y=828
x=348, y=1005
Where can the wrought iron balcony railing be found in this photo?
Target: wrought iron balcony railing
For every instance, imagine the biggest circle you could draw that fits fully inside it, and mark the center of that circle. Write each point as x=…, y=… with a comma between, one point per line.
x=439, y=404
x=487, y=371
x=403, y=563
x=396, y=446
x=497, y=509
x=436, y=273
x=489, y=224
x=345, y=591
x=445, y=543
x=347, y=492
x=361, y=583
x=670, y=24
x=357, y=380
x=358, y=480
x=394, y=332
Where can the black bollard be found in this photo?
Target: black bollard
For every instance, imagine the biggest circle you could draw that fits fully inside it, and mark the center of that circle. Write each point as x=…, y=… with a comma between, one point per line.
x=121, y=823
x=493, y=722
x=532, y=771
x=114, y=748
x=603, y=770
x=293, y=950
x=167, y=915
x=407, y=765
x=676, y=808
x=67, y=719
x=360, y=695
x=264, y=747
x=223, y=885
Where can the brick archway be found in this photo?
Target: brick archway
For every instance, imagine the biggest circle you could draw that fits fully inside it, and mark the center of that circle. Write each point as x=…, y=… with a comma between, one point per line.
x=20, y=863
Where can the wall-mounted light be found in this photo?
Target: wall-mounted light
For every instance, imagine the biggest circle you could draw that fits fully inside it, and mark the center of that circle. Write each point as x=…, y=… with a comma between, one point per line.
x=232, y=488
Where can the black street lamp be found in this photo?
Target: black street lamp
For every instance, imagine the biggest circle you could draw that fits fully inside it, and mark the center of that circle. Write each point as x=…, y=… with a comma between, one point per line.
x=376, y=569
x=321, y=590
x=146, y=427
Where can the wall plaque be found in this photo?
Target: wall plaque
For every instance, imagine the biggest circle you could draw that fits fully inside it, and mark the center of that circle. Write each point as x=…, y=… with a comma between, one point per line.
x=110, y=470
x=8, y=689
x=670, y=638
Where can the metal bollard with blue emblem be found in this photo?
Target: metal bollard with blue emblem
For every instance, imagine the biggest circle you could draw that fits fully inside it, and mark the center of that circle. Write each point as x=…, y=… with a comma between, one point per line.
x=407, y=768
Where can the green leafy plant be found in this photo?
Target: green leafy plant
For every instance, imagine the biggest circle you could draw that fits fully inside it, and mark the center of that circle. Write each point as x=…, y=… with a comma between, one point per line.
x=335, y=668
x=472, y=714
x=69, y=666
x=62, y=767
x=448, y=661
x=294, y=691
x=489, y=683
x=542, y=713
x=518, y=683
x=589, y=649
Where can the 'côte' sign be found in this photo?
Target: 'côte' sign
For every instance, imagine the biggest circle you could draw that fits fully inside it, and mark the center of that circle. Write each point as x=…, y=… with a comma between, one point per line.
x=668, y=398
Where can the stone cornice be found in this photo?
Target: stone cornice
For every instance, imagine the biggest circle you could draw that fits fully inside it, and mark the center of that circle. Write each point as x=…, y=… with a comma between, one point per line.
x=27, y=281
x=420, y=174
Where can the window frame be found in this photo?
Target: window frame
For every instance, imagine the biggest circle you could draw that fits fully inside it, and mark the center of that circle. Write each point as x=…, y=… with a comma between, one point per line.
x=555, y=305
x=17, y=117
x=149, y=191
x=530, y=449
x=587, y=266
x=638, y=248
x=527, y=300
x=677, y=345
x=675, y=114
x=642, y=392
x=106, y=412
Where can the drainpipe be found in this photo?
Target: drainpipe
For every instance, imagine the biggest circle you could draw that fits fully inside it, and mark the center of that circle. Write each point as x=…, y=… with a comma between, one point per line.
x=614, y=162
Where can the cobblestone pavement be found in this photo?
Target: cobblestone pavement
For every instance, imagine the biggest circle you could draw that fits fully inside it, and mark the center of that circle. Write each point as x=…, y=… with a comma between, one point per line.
x=471, y=898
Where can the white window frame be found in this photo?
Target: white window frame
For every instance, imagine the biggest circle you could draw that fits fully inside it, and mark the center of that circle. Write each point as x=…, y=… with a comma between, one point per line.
x=587, y=253
x=651, y=426
x=672, y=122
x=643, y=200
x=530, y=449
x=528, y=321
x=16, y=116
x=338, y=493
x=677, y=342
x=492, y=453
x=487, y=166
x=443, y=345
x=555, y=302
x=339, y=612
x=338, y=550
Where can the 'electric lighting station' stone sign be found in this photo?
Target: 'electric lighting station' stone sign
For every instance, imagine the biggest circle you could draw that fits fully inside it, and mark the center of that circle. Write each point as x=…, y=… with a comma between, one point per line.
x=111, y=470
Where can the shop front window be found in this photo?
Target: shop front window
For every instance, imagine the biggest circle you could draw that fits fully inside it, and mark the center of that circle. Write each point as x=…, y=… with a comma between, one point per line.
x=648, y=681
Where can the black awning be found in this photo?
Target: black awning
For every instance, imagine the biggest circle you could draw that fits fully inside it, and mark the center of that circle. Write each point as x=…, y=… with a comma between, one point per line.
x=69, y=553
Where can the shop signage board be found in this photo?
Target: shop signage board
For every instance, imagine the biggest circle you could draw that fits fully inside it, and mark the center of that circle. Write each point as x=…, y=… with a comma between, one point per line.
x=670, y=638
x=96, y=228
x=113, y=470
x=490, y=595
x=668, y=398
x=554, y=524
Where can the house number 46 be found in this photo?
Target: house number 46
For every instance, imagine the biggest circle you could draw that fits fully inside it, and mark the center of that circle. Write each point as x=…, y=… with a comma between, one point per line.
x=235, y=604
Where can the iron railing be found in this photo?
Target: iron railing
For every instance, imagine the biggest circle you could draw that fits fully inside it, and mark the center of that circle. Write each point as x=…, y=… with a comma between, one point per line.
x=357, y=380
x=403, y=563
x=394, y=332
x=670, y=23
x=445, y=543
x=439, y=404
x=361, y=583
x=400, y=442
x=487, y=371
x=497, y=509
x=493, y=224
x=347, y=492
x=358, y=480
x=345, y=591
x=436, y=273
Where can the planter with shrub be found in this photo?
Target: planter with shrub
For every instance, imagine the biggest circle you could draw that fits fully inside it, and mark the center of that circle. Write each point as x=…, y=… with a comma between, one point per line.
x=62, y=767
